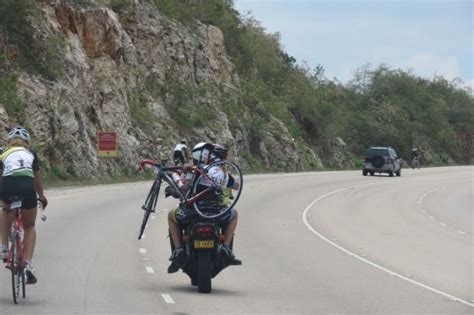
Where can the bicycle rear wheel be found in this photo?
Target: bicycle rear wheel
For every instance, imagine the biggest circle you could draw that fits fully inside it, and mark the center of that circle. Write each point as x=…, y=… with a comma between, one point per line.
x=15, y=268
x=23, y=282
x=220, y=176
x=150, y=205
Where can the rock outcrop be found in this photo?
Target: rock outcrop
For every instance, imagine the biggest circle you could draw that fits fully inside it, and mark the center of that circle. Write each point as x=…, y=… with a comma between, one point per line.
x=148, y=78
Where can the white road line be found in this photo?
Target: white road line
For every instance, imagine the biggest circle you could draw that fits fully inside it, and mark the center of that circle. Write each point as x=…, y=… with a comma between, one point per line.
x=461, y=232
x=371, y=263
x=431, y=217
x=150, y=269
x=165, y=210
x=142, y=250
x=442, y=223
x=167, y=298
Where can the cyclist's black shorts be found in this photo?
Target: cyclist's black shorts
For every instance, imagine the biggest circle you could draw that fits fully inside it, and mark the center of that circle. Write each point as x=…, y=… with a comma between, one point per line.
x=178, y=157
x=23, y=186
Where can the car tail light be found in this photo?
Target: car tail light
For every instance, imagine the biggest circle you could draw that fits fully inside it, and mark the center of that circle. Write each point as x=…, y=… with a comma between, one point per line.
x=205, y=229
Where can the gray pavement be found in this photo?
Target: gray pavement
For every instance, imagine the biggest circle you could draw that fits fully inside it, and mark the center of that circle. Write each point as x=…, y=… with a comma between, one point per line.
x=298, y=259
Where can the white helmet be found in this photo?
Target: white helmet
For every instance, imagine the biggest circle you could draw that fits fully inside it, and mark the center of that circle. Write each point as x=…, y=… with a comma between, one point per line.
x=19, y=132
x=202, y=153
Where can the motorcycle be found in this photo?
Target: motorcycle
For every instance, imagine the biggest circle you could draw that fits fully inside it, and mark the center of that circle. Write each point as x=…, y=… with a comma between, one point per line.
x=202, y=240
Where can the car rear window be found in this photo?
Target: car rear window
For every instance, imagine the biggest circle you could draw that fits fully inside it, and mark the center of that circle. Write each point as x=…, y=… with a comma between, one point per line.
x=376, y=152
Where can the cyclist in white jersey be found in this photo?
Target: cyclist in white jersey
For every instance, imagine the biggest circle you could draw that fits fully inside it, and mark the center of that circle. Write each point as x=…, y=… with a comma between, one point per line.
x=21, y=177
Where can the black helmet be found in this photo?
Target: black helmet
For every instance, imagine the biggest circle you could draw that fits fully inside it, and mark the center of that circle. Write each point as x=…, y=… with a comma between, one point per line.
x=219, y=151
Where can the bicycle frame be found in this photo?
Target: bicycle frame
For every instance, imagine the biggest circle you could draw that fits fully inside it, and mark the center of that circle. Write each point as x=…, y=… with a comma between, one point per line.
x=162, y=174
x=16, y=259
x=16, y=235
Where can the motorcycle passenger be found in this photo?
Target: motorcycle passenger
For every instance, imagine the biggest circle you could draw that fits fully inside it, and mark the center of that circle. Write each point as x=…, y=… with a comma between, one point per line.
x=180, y=155
x=21, y=177
x=205, y=153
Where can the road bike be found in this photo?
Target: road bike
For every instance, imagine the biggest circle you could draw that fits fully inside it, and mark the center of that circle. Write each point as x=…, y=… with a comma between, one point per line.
x=16, y=258
x=192, y=197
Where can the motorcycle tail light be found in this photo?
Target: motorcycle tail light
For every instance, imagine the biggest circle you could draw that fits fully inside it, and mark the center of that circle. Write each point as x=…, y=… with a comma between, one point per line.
x=222, y=237
x=205, y=229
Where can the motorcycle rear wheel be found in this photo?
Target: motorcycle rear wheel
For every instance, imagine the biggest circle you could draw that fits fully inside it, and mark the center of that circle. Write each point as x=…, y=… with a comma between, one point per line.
x=204, y=269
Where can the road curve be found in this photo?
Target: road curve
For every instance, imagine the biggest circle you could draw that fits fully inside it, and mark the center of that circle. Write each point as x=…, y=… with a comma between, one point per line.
x=311, y=243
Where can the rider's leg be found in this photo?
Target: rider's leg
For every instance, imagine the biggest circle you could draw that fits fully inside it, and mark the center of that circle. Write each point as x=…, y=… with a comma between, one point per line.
x=175, y=233
x=230, y=228
x=229, y=234
x=29, y=218
x=6, y=223
x=178, y=256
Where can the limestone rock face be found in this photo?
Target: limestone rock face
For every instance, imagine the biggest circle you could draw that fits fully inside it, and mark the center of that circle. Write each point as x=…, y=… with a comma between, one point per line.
x=146, y=77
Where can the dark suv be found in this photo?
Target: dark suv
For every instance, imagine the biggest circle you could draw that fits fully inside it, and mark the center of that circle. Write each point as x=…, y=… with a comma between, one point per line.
x=382, y=160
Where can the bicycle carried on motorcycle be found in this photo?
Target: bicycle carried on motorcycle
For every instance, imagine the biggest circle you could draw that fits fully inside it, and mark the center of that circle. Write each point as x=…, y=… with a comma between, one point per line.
x=203, y=236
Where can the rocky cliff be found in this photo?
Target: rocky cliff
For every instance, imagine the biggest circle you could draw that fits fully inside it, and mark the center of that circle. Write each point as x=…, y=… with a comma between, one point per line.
x=151, y=79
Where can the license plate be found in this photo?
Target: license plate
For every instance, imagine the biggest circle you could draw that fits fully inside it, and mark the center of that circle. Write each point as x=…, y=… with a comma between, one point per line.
x=204, y=244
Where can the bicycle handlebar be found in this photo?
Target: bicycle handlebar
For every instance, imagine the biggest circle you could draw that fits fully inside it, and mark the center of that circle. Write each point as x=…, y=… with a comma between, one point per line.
x=142, y=163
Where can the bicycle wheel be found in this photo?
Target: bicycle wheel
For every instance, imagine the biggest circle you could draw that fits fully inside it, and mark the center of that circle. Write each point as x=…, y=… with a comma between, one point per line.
x=150, y=205
x=15, y=269
x=219, y=176
x=23, y=282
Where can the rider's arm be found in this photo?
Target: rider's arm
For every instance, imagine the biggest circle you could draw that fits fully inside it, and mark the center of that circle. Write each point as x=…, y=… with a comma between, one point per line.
x=38, y=182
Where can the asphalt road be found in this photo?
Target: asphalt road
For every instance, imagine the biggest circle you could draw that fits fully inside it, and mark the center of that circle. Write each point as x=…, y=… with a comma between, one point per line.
x=311, y=243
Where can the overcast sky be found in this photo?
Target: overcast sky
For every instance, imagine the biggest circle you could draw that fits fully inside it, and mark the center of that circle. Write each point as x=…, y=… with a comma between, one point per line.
x=428, y=36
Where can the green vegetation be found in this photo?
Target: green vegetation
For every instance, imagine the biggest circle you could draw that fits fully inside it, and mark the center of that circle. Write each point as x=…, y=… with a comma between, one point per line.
x=24, y=44
x=8, y=94
x=187, y=104
x=142, y=116
x=381, y=106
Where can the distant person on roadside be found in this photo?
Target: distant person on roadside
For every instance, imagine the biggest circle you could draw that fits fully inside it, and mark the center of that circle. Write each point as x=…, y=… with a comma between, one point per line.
x=415, y=158
x=180, y=155
x=21, y=177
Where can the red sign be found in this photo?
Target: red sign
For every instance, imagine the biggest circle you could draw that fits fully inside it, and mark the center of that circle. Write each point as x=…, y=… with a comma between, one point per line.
x=106, y=144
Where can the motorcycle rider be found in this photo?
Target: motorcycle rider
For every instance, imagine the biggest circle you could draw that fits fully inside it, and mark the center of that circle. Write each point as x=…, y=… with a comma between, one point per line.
x=204, y=153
